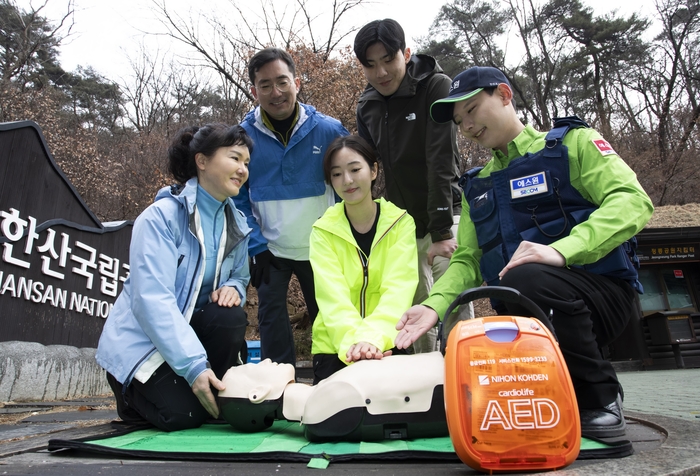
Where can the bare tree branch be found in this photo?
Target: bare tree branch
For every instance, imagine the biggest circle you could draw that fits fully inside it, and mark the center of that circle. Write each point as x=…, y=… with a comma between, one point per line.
x=26, y=34
x=187, y=33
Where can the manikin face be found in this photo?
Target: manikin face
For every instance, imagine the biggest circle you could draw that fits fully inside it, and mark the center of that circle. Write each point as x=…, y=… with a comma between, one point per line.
x=351, y=176
x=269, y=79
x=385, y=71
x=257, y=382
x=487, y=119
x=223, y=174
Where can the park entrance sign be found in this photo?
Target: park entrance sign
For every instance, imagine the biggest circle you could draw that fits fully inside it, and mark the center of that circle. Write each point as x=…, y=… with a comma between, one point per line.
x=61, y=269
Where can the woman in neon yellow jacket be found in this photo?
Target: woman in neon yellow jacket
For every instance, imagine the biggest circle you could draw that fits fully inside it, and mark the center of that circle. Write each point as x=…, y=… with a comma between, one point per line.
x=363, y=254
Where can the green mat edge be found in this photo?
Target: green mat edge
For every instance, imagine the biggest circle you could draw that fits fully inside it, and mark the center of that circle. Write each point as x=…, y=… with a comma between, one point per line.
x=600, y=450
x=57, y=445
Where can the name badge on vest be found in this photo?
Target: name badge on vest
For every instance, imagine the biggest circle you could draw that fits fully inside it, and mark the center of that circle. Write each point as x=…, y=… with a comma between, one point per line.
x=527, y=186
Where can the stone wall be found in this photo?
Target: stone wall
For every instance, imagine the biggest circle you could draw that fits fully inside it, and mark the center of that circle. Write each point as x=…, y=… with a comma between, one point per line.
x=35, y=372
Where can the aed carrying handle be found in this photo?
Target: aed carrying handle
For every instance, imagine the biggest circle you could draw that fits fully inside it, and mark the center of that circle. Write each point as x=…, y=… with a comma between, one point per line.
x=501, y=293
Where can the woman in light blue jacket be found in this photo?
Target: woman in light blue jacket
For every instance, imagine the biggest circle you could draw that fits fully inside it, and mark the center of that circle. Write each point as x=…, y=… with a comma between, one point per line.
x=178, y=325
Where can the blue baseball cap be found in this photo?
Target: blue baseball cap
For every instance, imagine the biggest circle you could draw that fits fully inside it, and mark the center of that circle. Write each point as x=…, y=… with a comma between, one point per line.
x=465, y=85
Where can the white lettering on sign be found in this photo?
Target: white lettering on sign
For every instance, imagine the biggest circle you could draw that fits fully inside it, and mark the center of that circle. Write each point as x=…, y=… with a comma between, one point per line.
x=85, y=263
x=13, y=228
x=523, y=414
x=59, y=256
x=53, y=262
x=40, y=293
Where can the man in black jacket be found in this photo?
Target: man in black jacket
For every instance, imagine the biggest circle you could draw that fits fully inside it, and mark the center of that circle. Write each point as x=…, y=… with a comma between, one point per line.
x=419, y=157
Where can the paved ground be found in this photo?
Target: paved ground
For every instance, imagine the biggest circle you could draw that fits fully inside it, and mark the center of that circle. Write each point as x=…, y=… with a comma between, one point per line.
x=671, y=393
x=663, y=410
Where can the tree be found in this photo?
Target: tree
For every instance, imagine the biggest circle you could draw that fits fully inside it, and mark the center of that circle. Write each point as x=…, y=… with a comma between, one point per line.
x=566, y=61
x=29, y=43
x=450, y=56
x=606, y=45
x=270, y=26
x=670, y=90
x=475, y=30
x=227, y=51
x=222, y=51
x=91, y=100
x=470, y=31
x=331, y=85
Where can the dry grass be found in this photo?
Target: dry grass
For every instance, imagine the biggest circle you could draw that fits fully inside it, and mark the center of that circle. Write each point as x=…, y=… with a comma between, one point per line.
x=675, y=216
x=301, y=324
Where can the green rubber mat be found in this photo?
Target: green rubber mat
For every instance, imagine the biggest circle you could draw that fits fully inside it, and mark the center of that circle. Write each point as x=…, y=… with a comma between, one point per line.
x=284, y=441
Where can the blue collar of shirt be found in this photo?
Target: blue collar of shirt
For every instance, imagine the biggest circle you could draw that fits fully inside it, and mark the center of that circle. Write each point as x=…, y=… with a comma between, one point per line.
x=207, y=204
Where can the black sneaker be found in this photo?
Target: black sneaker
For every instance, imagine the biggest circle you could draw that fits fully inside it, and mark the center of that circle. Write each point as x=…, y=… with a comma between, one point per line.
x=606, y=422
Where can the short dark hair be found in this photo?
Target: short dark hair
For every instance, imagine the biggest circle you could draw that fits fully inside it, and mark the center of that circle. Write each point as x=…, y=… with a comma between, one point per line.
x=352, y=142
x=268, y=55
x=190, y=141
x=388, y=32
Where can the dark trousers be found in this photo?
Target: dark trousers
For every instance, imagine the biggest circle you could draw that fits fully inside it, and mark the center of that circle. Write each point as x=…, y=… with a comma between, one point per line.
x=276, y=337
x=326, y=365
x=166, y=399
x=588, y=312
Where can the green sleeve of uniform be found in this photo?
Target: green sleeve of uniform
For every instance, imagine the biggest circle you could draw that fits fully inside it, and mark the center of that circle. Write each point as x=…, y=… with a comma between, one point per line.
x=607, y=181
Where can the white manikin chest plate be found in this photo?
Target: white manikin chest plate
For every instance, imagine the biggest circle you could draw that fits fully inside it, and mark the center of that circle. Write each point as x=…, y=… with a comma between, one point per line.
x=394, y=384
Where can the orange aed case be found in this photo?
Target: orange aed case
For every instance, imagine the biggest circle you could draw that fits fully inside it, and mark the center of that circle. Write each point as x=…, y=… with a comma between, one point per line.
x=509, y=399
